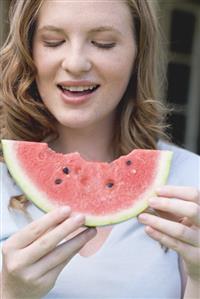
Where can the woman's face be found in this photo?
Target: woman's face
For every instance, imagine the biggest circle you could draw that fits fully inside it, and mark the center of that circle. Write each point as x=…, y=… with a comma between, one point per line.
x=84, y=52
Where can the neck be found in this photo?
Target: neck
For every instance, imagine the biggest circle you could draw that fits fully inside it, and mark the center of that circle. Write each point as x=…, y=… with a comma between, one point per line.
x=94, y=144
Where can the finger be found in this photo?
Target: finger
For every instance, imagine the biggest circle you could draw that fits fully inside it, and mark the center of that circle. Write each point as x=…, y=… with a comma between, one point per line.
x=50, y=240
x=181, y=192
x=178, y=207
x=187, y=251
x=169, y=216
x=185, y=221
x=58, y=258
x=162, y=214
x=172, y=229
x=37, y=228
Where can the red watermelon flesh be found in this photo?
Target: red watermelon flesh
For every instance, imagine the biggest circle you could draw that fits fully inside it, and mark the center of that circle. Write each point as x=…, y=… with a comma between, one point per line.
x=105, y=192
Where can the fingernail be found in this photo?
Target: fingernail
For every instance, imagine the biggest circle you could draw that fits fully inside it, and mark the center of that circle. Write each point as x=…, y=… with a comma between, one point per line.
x=149, y=229
x=92, y=232
x=79, y=218
x=142, y=217
x=152, y=200
x=161, y=189
x=65, y=210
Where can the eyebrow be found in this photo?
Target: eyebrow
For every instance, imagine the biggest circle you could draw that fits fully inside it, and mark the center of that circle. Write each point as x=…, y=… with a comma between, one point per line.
x=94, y=30
x=51, y=28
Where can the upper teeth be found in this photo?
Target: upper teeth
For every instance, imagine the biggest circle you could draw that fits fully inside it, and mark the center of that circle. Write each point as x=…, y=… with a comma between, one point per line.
x=78, y=88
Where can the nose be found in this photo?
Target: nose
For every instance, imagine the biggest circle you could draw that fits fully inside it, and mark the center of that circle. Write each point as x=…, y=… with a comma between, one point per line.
x=76, y=60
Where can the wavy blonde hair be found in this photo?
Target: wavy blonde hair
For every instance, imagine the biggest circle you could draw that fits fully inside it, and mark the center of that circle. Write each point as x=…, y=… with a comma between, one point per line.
x=141, y=114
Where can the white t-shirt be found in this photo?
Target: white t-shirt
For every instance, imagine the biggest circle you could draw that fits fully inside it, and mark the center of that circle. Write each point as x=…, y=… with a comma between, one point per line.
x=129, y=264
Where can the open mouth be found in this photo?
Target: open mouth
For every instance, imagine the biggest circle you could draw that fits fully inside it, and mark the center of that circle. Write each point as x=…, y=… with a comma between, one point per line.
x=76, y=91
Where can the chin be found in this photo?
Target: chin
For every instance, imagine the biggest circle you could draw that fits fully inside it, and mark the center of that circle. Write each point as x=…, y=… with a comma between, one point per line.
x=75, y=124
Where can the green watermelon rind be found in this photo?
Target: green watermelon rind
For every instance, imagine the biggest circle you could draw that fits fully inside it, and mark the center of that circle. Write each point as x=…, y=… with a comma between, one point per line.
x=22, y=179
x=35, y=195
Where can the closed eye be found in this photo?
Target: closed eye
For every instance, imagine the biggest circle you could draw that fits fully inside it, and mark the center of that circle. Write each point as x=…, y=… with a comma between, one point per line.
x=104, y=45
x=97, y=44
x=53, y=44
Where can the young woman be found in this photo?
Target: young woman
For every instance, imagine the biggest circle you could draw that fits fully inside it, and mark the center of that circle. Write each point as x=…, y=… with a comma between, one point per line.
x=84, y=76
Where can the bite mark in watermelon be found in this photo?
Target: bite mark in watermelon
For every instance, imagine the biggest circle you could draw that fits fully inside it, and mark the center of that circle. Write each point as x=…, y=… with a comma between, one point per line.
x=106, y=193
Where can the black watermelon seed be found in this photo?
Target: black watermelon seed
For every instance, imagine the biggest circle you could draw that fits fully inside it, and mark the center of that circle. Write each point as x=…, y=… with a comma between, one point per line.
x=66, y=170
x=110, y=185
x=128, y=162
x=58, y=181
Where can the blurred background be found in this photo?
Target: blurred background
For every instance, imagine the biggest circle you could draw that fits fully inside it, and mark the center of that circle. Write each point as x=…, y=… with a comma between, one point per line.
x=180, y=21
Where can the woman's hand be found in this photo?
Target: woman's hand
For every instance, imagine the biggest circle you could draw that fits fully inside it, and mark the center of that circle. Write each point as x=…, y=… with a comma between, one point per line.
x=34, y=257
x=178, y=224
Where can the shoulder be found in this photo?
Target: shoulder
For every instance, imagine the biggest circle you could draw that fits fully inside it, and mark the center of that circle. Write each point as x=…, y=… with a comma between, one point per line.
x=9, y=187
x=12, y=219
x=179, y=154
x=185, y=167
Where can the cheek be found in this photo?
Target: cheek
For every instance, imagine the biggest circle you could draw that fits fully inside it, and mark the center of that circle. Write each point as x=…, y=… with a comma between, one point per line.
x=119, y=75
x=45, y=63
x=118, y=67
x=125, y=63
x=46, y=70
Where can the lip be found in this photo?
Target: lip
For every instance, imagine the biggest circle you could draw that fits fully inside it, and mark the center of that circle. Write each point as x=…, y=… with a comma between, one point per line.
x=76, y=100
x=77, y=83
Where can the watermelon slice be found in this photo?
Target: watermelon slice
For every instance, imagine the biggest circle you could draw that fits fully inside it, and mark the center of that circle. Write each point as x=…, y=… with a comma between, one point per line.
x=106, y=193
